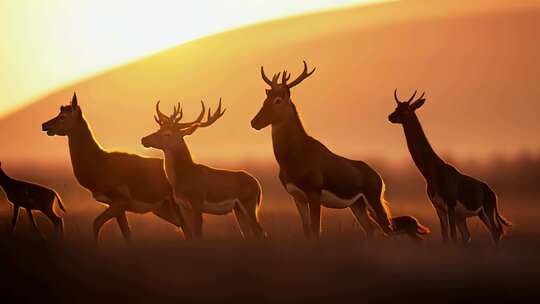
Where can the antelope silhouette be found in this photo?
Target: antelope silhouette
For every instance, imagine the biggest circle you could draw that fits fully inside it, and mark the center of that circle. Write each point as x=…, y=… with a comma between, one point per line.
x=124, y=182
x=409, y=226
x=315, y=176
x=201, y=189
x=454, y=195
x=32, y=197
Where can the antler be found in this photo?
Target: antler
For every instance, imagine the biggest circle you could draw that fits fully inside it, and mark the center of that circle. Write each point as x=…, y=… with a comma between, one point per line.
x=275, y=78
x=212, y=117
x=160, y=118
x=177, y=114
x=268, y=81
x=302, y=76
x=410, y=99
x=395, y=97
x=286, y=76
x=183, y=125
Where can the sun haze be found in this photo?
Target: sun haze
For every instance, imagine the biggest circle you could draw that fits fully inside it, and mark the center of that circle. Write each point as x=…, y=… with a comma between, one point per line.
x=478, y=100
x=48, y=44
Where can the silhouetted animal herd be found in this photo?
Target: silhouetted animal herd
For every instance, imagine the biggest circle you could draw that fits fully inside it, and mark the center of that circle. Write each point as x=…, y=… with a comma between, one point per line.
x=179, y=190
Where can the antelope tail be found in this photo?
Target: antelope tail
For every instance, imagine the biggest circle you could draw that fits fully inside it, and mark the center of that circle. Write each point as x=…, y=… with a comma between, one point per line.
x=502, y=221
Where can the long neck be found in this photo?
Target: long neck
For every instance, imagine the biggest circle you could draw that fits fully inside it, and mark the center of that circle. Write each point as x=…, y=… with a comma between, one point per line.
x=421, y=151
x=178, y=162
x=288, y=138
x=85, y=152
x=5, y=180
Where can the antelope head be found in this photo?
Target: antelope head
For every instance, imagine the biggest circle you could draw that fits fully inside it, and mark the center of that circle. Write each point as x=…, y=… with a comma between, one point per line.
x=405, y=109
x=171, y=131
x=277, y=107
x=65, y=121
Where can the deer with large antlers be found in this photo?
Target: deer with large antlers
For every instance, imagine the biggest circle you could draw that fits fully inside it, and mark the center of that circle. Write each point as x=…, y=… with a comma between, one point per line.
x=197, y=188
x=314, y=176
x=454, y=195
x=124, y=182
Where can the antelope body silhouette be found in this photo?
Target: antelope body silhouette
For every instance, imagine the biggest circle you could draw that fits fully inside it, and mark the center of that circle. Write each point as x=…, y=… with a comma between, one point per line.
x=32, y=197
x=454, y=195
x=199, y=189
x=315, y=176
x=124, y=182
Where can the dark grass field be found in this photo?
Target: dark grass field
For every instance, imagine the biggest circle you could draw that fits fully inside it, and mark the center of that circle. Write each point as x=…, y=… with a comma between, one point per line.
x=159, y=266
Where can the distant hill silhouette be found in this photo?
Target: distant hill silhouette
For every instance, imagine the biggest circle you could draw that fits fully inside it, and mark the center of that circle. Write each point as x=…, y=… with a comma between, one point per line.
x=479, y=68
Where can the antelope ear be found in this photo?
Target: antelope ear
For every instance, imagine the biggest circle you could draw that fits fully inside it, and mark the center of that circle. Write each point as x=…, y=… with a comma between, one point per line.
x=74, y=102
x=417, y=104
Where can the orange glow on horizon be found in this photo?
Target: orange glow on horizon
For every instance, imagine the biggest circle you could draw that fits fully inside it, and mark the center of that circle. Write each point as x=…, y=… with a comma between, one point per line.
x=47, y=45
x=477, y=101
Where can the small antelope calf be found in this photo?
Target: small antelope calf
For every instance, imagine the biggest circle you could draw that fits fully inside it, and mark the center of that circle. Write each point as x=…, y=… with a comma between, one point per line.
x=410, y=226
x=31, y=197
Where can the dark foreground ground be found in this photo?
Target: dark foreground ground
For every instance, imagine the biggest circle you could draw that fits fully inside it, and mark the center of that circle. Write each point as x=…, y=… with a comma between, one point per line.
x=160, y=267
x=272, y=272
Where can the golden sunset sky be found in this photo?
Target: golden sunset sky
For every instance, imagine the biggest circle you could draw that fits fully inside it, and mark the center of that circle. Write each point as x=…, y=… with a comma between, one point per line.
x=477, y=60
x=49, y=44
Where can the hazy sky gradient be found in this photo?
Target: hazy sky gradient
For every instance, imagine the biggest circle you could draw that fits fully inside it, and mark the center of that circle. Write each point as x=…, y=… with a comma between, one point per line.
x=49, y=44
x=478, y=64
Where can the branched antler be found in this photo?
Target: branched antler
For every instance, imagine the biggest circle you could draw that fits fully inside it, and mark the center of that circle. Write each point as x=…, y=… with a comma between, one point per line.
x=286, y=76
x=176, y=116
x=212, y=117
x=182, y=125
x=305, y=74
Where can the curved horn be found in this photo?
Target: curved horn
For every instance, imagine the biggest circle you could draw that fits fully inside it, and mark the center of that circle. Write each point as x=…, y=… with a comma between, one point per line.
x=423, y=93
x=162, y=117
x=305, y=74
x=395, y=97
x=412, y=97
x=264, y=77
x=183, y=125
